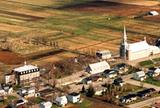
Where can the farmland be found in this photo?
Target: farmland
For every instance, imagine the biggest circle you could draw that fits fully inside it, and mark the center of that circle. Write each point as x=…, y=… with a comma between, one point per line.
x=84, y=25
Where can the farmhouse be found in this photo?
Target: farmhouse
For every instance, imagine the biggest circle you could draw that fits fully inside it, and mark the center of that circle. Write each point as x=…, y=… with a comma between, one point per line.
x=137, y=50
x=153, y=72
x=26, y=73
x=139, y=75
x=97, y=67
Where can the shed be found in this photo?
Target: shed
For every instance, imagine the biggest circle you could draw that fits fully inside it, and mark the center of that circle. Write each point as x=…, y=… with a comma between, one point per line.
x=99, y=67
x=47, y=104
x=105, y=54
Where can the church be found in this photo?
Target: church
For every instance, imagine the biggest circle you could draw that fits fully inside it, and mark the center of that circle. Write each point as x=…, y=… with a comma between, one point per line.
x=137, y=50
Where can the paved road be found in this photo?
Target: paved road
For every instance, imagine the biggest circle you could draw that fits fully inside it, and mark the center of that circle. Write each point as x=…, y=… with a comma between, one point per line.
x=142, y=104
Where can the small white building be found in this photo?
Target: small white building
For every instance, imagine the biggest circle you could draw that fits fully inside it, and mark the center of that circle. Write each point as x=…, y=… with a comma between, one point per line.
x=105, y=54
x=47, y=104
x=61, y=101
x=153, y=13
x=139, y=75
x=99, y=67
x=73, y=97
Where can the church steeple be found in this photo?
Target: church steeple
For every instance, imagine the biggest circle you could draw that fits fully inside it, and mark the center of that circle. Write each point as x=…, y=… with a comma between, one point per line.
x=124, y=34
x=123, y=46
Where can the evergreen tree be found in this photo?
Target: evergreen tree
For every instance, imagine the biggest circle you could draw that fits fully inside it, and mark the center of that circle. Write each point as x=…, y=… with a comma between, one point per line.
x=90, y=91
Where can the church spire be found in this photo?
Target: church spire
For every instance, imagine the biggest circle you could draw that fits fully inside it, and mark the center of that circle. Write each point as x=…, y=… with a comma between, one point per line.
x=124, y=34
x=123, y=46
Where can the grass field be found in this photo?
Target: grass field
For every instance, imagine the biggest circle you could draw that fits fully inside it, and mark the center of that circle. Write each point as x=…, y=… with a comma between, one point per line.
x=83, y=25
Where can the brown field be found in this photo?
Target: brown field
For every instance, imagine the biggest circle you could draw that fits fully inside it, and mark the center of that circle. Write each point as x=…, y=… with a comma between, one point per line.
x=12, y=28
x=111, y=8
x=79, y=26
x=153, y=18
x=10, y=58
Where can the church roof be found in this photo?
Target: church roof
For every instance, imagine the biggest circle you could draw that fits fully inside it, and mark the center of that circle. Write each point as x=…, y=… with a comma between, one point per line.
x=138, y=46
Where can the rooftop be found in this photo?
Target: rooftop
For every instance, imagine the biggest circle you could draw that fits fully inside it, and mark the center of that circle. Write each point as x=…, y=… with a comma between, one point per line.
x=25, y=68
x=138, y=46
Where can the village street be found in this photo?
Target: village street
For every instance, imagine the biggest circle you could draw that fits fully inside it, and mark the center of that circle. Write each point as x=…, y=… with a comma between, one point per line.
x=144, y=103
x=71, y=81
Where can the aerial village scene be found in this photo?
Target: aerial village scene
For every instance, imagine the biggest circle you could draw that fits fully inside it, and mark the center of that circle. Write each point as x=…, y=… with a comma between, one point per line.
x=79, y=53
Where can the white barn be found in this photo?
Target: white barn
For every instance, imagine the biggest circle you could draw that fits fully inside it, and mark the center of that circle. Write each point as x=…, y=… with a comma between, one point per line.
x=96, y=68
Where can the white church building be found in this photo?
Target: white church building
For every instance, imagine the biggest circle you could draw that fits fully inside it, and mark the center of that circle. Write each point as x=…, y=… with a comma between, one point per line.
x=137, y=50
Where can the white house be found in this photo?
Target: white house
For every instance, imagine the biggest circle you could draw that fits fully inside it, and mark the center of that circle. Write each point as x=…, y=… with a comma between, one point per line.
x=153, y=13
x=73, y=97
x=139, y=75
x=105, y=54
x=61, y=101
x=99, y=67
x=5, y=90
x=47, y=104
x=27, y=92
x=154, y=72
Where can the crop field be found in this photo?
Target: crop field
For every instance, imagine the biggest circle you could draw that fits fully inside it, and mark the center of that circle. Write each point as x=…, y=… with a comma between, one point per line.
x=84, y=25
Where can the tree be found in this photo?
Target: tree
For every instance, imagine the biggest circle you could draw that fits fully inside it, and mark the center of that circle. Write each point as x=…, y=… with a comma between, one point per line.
x=90, y=91
x=83, y=89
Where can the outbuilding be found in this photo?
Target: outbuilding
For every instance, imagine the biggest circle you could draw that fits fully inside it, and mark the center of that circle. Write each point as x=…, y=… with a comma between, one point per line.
x=105, y=54
x=96, y=68
x=153, y=13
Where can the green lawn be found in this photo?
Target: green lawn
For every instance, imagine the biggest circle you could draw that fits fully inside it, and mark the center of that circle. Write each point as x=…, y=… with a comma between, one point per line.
x=153, y=81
